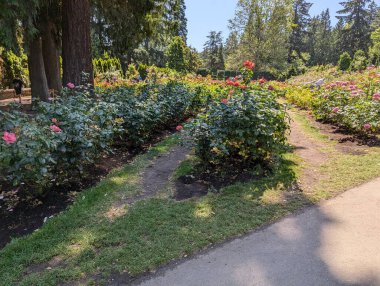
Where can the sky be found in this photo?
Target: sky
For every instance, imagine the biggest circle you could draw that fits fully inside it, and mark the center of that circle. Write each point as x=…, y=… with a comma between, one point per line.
x=213, y=15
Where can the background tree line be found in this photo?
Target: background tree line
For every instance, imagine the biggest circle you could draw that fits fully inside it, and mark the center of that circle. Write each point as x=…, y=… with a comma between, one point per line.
x=56, y=40
x=283, y=39
x=53, y=42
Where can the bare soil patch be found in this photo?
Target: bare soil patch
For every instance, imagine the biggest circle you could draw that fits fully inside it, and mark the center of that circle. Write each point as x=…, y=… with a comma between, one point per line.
x=156, y=176
x=310, y=151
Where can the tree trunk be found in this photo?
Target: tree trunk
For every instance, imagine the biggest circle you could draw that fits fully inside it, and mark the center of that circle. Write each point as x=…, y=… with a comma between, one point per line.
x=50, y=51
x=37, y=71
x=76, y=41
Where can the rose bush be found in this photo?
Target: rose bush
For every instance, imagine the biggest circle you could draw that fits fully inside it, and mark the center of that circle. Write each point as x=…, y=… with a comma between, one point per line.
x=243, y=128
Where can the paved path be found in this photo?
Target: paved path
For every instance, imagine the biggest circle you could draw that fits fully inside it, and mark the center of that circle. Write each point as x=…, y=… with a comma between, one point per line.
x=336, y=243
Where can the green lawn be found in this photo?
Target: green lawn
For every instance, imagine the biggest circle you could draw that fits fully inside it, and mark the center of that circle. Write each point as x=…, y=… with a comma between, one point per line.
x=95, y=236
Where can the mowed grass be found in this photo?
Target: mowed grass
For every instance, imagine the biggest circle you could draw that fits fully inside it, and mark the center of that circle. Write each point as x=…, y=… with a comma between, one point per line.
x=96, y=237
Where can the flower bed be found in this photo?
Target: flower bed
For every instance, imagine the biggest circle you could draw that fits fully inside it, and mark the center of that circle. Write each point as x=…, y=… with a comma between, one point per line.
x=56, y=144
x=353, y=102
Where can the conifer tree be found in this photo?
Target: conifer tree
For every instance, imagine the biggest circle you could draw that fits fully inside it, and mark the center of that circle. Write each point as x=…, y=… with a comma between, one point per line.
x=356, y=33
x=301, y=21
x=213, y=51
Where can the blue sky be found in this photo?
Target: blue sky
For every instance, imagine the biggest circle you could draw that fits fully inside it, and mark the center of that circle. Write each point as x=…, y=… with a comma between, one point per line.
x=207, y=15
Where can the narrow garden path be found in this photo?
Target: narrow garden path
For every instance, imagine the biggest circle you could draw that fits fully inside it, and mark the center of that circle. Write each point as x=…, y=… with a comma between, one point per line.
x=311, y=151
x=155, y=178
x=335, y=243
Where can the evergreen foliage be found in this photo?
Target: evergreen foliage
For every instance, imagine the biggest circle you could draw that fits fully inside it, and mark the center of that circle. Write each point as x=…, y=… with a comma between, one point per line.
x=359, y=62
x=176, y=55
x=344, y=61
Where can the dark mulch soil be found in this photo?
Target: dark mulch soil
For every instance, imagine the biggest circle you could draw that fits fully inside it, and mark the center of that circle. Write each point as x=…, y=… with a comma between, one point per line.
x=21, y=215
x=345, y=136
x=199, y=184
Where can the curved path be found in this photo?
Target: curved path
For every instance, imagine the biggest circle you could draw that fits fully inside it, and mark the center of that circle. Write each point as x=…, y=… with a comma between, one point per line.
x=335, y=243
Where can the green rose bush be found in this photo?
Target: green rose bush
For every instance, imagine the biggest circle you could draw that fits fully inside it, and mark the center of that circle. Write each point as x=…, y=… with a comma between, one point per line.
x=246, y=126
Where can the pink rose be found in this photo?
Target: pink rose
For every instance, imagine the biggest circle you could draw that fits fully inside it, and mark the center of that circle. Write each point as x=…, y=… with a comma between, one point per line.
x=179, y=128
x=54, y=120
x=367, y=126
x=376, y=97
x=70, y=85
x=55, y=129
x=9, y=138
x=335, y=109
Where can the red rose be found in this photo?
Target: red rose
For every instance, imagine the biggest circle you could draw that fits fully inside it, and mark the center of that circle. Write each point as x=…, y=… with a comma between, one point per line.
x=262, y=80
x=249, y=65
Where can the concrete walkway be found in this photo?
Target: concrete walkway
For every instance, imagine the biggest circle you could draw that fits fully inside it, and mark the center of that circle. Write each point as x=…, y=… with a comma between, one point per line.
x=336, y=243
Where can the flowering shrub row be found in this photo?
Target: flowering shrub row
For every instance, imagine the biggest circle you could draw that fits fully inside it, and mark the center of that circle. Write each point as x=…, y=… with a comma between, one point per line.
x=65, y=136
x=353, y=102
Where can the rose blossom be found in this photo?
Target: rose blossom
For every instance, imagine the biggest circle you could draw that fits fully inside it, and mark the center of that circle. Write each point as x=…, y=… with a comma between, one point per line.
x=70, y=85
x=376, y=97
x=335, y=109
x=55, y=129
x=367, y=126
x=9, y=138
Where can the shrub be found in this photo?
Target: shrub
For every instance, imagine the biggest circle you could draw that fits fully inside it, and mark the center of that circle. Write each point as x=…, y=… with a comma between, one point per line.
x=359, y=61
x=344, y=61
x=203, y=72
x=245, y=129
x=300, y=96
x=176, y=55
x=14, y=66
x=374, y=54
x=132, y=72
x=107, y=65
x=143, y=70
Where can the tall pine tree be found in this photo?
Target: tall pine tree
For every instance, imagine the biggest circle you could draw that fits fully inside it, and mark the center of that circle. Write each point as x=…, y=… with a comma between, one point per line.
x=213, y=52
x=300, y=24
x=355, y=16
